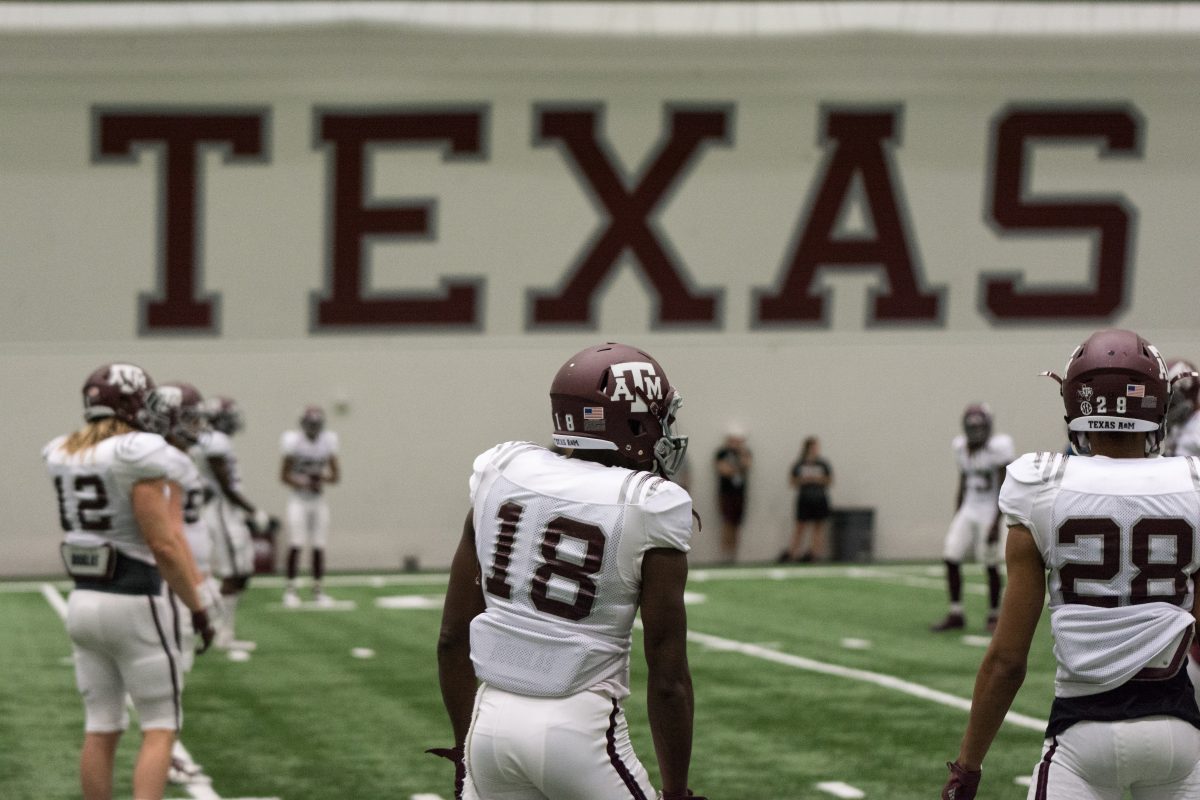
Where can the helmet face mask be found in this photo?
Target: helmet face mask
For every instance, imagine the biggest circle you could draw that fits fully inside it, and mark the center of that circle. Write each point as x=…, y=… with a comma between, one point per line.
x=224, y=415
x=977, y=424
x=1115, y=382
x=176, y=410
x=117, y=390
x=613, y=397
x=1185, y=392
x=312, y=422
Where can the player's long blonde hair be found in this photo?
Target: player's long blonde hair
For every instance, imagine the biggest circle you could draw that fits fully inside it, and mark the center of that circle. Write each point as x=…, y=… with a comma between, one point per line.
x=95, y=432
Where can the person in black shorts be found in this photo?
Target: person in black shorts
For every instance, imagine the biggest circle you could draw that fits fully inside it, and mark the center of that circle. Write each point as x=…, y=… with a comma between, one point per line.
x=811, y=477
x=733, y=461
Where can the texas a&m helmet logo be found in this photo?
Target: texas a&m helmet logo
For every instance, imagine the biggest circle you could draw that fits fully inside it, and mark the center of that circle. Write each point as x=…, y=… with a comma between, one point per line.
x=637, y=382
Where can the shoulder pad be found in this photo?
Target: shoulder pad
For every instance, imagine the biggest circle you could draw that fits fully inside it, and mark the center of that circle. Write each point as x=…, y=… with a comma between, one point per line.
x=1036, y=467
x=53, y=445
x=216, y=443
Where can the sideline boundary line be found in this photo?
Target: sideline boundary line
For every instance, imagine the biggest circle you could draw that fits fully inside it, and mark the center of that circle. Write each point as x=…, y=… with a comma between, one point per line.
x=199, y=790
x=877, y=678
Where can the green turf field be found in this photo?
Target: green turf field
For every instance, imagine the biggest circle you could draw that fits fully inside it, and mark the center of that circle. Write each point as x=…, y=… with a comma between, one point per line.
x=804, y=677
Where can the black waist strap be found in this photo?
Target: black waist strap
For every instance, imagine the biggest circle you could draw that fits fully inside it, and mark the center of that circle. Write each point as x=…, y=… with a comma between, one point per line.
x=129, y=577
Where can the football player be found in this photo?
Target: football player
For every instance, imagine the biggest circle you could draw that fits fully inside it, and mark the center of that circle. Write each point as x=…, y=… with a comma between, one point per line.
x=120, y=505
x=177, y=414
x=557, y=554
x=226, y=511
x=309, y=464
x=982, y=457
x=1118, y=535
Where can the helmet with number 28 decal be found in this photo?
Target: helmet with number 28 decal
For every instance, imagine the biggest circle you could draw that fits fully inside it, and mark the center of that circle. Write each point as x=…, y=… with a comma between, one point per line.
x=616, y=397
x=1116, y=382
x=117, y=390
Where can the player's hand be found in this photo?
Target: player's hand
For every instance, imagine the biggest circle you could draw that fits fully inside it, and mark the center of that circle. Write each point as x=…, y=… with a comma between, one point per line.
x=204, y=629
x=259, y=521
x=316, y=483
x=962, y=784
x=454, y=754
x=686, y=794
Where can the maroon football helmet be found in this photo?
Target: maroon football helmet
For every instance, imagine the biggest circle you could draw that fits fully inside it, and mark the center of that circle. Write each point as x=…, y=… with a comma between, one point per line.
x=117, y=390
x=616, y=397
x=176, y=409
x=977, y=424
x=1116, y=382
x=312, y=421
x=224, y=415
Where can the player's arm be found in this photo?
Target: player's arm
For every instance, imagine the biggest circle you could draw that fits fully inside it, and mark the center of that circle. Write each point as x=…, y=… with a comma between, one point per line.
x=993, y=535
x=962, y=490
x=287, y=477
x=725, y=467
x=669, y=691
x=1003, y=669
x=221, y=471
x=464, y=602
x=335, y=473
x=158, y=509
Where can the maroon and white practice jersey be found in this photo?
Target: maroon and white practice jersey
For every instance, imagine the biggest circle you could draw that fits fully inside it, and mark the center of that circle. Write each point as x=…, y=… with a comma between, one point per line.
x=980, y=466
x=309, y=458
x=1121, y=541
x=95, y=488
x=215, y=444
x=560, y=543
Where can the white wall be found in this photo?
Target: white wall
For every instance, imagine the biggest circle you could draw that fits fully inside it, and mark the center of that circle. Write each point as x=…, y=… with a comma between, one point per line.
x=412, y=409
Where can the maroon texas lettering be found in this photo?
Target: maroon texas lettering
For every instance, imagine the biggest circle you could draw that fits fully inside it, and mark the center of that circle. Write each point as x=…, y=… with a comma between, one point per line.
x=1117, y=132
x=857, y=141
x=629, y=217
x=357, y=219
x=182, y=135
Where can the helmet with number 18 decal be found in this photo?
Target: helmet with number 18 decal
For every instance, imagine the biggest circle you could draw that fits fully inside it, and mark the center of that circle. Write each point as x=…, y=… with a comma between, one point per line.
x=117, y=390
x=1116, y=382
x=615, y=397
x=177, y=410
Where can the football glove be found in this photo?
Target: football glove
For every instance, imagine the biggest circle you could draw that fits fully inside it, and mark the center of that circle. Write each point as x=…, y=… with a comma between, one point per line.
x=205, y=632
x=962, y=784
x=454, y=754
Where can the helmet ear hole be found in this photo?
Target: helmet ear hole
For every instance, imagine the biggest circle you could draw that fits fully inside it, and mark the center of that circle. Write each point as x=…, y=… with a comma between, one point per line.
x=636, y=427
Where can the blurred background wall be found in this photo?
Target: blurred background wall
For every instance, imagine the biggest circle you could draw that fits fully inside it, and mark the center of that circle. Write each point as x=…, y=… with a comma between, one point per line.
x=270, y=200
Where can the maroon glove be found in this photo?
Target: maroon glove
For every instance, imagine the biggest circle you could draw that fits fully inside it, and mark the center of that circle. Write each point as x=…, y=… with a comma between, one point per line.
x=962, y=784
x=203, y=627
x=454, y=754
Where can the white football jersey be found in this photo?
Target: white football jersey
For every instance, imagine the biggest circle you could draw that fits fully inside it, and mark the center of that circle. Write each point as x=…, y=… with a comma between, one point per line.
x=560, y=543
x=194, y=527
x=1121, y=541
x=309, y=457
x=95, y=488
x=980, y=467
x=214, y=443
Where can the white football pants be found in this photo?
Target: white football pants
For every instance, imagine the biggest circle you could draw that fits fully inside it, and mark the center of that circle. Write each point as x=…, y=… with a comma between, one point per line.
x=968, y=534
x=1154, y=758
x=232, y=549
x=124, y=643
x=551, y=748
x=308, y=520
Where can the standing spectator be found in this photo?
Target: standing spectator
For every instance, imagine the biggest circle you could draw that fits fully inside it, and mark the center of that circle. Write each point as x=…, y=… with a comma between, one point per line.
x=811, y=477
x=982, y=457
x=733, y=462
x=120, y=505
x=309, y=463
x=1113, y=539
x=557, y=555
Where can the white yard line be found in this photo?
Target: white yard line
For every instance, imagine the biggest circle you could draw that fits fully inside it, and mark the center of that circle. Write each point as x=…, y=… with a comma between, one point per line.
x=876, y=678
x=839, y=789
x=200, y=790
